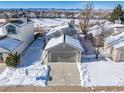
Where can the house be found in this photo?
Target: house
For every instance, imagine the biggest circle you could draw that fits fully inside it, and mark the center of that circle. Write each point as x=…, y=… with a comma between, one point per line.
x=98, y=29
x=67, y=29
x=16, y=35
x=118, y=28
x=63, y=48
x=114, y=46
x=118, y=52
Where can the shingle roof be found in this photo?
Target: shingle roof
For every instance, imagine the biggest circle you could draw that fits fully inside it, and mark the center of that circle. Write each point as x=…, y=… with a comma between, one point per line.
x=9, y=43
x=64, y=39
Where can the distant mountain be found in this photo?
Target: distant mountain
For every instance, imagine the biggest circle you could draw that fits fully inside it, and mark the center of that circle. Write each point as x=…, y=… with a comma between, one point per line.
x=55, y=9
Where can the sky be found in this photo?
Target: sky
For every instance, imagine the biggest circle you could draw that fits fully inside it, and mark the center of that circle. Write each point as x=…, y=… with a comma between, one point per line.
x=59, y=4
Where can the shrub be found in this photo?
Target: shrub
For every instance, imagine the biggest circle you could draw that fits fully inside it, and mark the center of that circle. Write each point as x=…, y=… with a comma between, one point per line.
x=12, y=60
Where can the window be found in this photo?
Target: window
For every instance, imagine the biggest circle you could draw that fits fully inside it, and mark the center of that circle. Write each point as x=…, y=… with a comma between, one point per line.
x=11, y=29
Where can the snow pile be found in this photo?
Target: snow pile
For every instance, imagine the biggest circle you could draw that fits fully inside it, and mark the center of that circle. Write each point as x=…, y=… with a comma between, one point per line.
x=84, y=75
x=36, y=75
x=101, y=73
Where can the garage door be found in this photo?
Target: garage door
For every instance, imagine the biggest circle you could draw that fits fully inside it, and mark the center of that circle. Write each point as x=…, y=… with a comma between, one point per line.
x=63, y=57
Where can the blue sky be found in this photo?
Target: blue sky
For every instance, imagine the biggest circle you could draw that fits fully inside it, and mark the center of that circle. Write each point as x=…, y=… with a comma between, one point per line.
x=59, y=4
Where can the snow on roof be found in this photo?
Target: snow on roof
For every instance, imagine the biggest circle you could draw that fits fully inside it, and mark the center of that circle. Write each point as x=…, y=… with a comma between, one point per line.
x=9, y=43
x=64, y=39
x=119, y=44
x=116, y=41
x=118, y=25
x=107, y=26
x=57, y=29
x=115, y=38
x=54, y=41
x=96, y=29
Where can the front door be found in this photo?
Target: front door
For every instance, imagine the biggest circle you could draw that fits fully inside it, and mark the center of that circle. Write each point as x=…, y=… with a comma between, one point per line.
x=1, y=58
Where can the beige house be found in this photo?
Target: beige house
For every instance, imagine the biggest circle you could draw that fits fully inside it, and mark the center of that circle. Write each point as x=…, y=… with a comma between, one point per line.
x=63, y=49
x=114, y=46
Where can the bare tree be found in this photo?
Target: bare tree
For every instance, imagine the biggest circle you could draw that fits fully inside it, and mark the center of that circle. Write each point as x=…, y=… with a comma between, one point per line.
x=100, y=38
x=85, y=17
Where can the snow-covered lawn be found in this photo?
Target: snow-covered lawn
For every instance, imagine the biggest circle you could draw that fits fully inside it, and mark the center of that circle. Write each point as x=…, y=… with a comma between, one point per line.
x=36, y=75
x=30, y=71
x=101, y=73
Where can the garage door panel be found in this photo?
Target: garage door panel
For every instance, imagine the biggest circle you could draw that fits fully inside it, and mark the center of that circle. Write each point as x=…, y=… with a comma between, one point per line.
x=63, y=57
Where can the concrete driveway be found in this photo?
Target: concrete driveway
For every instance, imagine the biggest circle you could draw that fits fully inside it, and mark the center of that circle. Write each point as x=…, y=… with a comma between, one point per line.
x=64, y=74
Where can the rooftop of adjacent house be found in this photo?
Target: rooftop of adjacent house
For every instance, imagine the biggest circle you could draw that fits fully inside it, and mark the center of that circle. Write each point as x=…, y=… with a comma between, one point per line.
x=115, y=38
x=57, y=29
x=16, y=21
x=65, y=29
x=119, y=45
x=9, y=43
x=64, y=39
x=117, y=41
x=118, y=25
x=96, y=29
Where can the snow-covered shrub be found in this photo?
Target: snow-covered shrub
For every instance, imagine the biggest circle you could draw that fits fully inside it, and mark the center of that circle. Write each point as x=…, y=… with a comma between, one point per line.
x=12, y=60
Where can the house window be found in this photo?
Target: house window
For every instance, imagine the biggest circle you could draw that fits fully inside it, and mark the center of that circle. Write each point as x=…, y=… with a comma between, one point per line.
x=1, y=57
x=11, y=29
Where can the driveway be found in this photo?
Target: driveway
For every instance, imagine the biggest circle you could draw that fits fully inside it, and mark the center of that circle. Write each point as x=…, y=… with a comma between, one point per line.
x=64, y=74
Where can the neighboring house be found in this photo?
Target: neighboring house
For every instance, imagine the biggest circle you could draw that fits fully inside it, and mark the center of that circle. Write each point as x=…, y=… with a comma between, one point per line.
x=114, y=46
x=118, y=28
x=69, y=29
x=63, y=49
x=118, y=52
x=106, y=28
x=16, y=35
